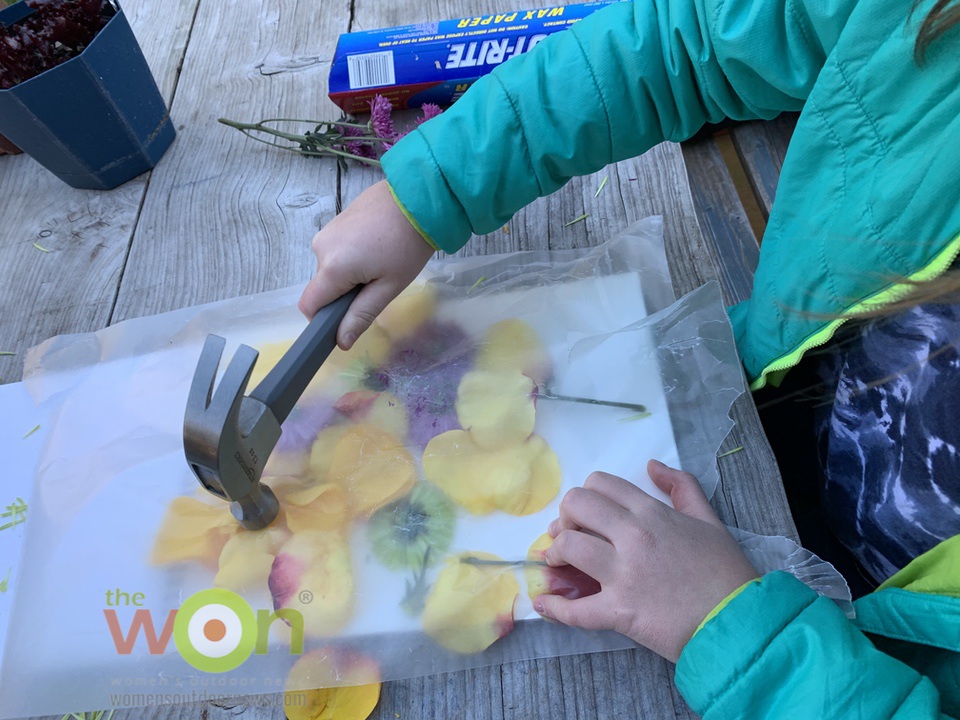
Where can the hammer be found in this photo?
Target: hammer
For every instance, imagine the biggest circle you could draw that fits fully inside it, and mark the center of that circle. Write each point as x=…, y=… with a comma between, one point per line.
x=228, y=436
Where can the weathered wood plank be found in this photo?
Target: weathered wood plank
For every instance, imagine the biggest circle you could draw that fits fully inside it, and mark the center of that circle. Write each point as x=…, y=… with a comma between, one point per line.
x=196, y=711
x=762, y=147
x=471, y=695
x=529, y=689
x=723, y=221
x=226, y=215
x=72, y=288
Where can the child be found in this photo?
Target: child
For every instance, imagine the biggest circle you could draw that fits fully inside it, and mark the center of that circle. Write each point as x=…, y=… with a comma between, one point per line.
x=867, y=195
x=760, y=648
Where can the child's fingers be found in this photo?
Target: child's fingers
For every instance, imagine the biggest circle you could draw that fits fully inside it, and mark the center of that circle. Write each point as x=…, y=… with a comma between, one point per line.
x=369, y=303
x=620, y=491
x=556, y=527
x=684, y=491
x=585, y=509
x=324, y=287
x=588, y=612
x=587, y=553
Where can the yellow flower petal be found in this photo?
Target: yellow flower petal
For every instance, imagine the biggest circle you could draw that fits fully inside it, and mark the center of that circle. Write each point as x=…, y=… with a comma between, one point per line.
x=247, y=558
x=313, y=573
x=519, y=479
x=514, y=345
x=496, y=406
x=566, y=580
x=543, y=483
x=332, y=684
x=408, y=311
x=377, y=408
x=318, y=507
x=193, y=530
x=373, y=467
x=318, y=468
x=470, y=607
x=470, y=475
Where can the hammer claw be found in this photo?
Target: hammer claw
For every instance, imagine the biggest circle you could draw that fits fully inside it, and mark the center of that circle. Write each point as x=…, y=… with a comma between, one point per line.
x=201, y=389
x=225, y=405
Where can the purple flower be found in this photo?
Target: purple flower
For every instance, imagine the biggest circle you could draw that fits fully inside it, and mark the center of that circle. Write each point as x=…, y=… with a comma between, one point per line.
x=355, y=148
x=430, y=111
x=305, y=421
x=382, y=122
x=424, y=371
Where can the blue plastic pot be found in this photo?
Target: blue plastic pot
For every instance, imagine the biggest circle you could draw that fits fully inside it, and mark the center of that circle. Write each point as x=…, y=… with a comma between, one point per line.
x=94, y=121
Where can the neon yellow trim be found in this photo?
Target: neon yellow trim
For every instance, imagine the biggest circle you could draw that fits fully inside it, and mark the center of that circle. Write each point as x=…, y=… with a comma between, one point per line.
x=723, y=603
x=936, y=572
x=412, y=220
x=939, y=265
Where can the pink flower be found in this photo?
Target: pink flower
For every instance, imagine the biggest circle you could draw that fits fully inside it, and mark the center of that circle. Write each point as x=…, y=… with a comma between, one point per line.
x=429, y=111
x=382, y=122
x=356, y=148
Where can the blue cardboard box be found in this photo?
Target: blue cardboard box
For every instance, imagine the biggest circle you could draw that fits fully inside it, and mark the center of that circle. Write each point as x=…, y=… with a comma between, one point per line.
x=435, y=62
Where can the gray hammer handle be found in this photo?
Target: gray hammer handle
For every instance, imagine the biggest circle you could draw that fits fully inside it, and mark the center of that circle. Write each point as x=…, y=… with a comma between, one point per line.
x=285, y=383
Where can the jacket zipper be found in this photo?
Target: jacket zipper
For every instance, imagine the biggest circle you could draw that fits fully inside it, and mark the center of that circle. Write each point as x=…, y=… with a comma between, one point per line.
x=933, y=269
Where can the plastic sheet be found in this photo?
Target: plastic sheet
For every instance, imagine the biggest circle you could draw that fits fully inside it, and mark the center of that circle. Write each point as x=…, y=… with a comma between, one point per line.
x=444, y=440
x=768, y=553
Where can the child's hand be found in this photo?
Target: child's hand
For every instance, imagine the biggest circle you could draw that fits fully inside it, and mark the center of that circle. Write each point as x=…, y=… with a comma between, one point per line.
x=370, y=243
x=661, y=571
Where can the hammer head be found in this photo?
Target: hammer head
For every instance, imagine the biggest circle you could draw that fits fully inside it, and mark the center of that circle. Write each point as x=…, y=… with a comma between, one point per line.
x=227, y=437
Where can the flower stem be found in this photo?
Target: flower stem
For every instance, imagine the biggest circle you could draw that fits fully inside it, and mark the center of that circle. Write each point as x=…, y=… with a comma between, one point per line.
x=312, y=149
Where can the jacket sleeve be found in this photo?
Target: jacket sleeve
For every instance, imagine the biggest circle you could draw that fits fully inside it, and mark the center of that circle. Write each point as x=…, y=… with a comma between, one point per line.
x=613, y=85
x=779, y=650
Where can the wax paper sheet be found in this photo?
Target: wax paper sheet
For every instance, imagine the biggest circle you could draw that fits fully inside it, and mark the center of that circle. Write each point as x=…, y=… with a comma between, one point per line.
x=442, y=442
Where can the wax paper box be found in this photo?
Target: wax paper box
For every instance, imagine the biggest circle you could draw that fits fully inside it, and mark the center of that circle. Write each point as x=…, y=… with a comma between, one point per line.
x=435, y=62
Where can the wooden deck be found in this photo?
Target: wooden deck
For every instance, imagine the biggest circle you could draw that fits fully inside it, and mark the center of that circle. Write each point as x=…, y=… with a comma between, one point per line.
x=222, y=216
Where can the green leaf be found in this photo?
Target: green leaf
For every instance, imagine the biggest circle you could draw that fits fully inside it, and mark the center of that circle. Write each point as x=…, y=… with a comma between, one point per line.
x=577, y=219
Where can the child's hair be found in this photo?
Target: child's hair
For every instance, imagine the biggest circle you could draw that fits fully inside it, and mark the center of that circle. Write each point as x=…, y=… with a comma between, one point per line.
x=944, y=289
x=943, y=16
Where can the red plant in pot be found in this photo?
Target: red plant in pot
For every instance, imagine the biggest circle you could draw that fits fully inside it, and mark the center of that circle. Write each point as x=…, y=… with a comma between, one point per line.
x=56, y=32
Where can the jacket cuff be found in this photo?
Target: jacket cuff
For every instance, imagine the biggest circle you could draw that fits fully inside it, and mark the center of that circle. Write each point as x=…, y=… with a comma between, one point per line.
x=411, y=219
x=723, y=603
x=725, y=649
x=420, y=189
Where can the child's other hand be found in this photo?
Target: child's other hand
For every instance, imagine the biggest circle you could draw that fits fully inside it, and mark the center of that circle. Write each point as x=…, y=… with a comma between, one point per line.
x=661, y=571
x=370, y=243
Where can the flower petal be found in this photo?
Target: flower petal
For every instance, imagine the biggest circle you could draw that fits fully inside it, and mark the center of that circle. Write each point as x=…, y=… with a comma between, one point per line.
x=377, y=408
x=497, y=407
x=313, y=573
x=514, y=345
x=247, y=558
x=566, y=580
x=543, y=484
x=332, y=684
x=193, y=530
x=317, y=507
x=470, y=606
x=373, y=467
x=411, y=308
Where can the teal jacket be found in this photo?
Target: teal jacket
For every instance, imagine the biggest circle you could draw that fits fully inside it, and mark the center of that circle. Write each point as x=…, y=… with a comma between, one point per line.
x=868, y=190
x=778, y=650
